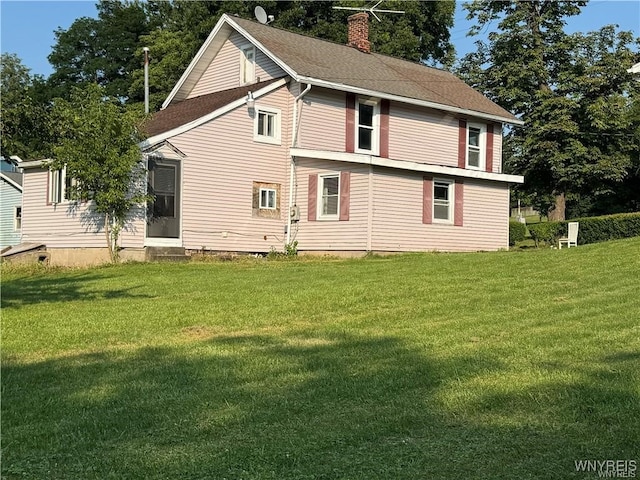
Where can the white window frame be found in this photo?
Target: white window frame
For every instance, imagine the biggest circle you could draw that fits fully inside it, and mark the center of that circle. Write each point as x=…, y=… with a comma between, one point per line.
x=481, y=149
x=268, y=191
x=247, y=67
x=17, y=219
x=320, y=211
x=276, y=114
x=375, y=128
x=57, y=189
x=449, y=203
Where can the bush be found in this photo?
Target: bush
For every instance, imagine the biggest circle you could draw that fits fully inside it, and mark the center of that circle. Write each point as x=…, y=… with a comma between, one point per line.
x=591, y=229
x=547, y=232
x=608, y=227
x=517, y=232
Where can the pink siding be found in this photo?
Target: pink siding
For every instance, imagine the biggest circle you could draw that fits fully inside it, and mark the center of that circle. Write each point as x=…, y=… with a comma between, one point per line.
x=421, y=135
x=224, y=70
x=497, y=148
x=59, y=226
x=350, y=235
x=222, y=162
x=398, y=211
x=322, y=122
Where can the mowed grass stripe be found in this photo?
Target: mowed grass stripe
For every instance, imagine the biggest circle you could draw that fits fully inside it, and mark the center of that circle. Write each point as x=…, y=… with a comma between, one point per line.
x=489, y=365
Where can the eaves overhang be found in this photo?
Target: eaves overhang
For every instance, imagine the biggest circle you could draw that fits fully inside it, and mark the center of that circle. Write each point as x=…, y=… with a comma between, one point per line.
x=405, y=165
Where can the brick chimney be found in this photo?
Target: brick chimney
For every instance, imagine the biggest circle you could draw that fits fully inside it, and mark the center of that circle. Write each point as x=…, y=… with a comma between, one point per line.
x=359, y=32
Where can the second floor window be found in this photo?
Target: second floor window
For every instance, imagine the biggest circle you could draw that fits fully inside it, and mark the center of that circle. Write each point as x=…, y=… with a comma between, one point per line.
x=247, y=64
x=367, y=126
x=267, y=125
x=59, y=186
x=475, y=146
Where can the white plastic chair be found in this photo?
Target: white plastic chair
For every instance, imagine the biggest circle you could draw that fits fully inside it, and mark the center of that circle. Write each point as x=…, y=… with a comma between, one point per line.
x=571, y=238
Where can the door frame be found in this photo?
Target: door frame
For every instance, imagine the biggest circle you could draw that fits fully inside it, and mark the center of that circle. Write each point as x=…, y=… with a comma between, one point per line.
x=159, y=241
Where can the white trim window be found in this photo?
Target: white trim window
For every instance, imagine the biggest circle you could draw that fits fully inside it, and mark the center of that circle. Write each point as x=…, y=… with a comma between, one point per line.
x=267, y=125
x=247, y=64
x=443, y=200
x=17, y=219
x=367, y=126
x=268, y=198
x=329, y=196
x=60, y=185
x=57, y=185
x=476, y=146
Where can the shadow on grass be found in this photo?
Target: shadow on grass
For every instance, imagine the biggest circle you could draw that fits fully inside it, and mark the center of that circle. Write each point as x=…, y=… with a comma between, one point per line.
x=298, y=407
x=23, y=291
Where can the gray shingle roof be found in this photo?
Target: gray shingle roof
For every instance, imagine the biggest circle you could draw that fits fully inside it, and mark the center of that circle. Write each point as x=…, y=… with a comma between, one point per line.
x=16, y=177
x=340, y=64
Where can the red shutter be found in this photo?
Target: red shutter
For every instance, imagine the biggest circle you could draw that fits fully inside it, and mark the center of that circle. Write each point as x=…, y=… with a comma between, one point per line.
x=427, y=200
x=312, y=202
x=462, y=144
x=458, y=212
x=345, y=189
x=489, y=160
x=350, y=124
x=384, y=128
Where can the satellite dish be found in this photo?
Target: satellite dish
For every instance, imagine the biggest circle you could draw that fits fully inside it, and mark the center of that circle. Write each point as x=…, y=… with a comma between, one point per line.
x=261, y=15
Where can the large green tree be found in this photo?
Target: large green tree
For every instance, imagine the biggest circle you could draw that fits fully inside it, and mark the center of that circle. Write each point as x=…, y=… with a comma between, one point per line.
x=24, y=126
x=100, y=50
x=97, y=143
x=572, y=91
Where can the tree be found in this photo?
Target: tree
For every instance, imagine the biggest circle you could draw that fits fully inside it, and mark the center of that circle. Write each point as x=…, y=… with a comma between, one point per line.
x=24, y=129
x=101, y=50
x=98, y=145
x=571, y=91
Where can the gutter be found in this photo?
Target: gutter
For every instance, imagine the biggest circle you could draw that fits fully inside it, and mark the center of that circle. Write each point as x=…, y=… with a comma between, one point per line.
x=292, y=165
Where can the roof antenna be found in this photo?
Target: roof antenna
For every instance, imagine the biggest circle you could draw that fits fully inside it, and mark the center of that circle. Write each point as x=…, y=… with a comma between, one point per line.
x=371, y=10
x=262, y=16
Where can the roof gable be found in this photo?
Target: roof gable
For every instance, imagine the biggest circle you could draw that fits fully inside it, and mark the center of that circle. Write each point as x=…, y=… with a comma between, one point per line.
x=320, y=62
x=183, y=116
x=12, y=178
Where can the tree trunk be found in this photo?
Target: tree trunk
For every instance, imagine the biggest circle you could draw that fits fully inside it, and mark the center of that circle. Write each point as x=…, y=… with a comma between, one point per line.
x=557, y=212
x=107, y=233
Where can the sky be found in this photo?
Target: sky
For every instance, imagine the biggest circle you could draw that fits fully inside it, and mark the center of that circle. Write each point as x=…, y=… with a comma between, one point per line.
x=27, y=27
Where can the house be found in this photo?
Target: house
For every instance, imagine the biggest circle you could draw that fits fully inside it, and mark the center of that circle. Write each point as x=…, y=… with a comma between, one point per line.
x=10, y=208
x=272, y=137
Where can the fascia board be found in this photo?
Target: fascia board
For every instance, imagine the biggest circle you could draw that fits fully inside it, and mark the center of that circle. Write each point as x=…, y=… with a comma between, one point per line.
x=198, y=57
x=36, y=163
x=404, y=165
x=152, y=141
x=10, y=182
x=412, y=101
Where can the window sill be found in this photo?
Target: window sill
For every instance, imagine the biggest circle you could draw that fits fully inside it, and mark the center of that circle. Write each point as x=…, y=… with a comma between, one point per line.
x=269, y=140
x=479, y=169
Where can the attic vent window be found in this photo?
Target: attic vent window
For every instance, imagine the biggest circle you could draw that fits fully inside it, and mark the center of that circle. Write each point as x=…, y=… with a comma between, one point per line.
x=247, y=64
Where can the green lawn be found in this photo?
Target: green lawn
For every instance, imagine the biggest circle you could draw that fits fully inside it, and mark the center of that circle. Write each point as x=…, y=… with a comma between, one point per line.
x=506, y=365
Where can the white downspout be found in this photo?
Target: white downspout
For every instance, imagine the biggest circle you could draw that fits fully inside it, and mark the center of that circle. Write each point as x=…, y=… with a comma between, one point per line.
x=292, y=165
